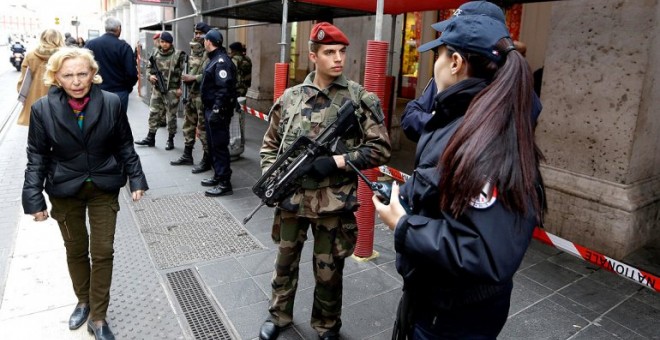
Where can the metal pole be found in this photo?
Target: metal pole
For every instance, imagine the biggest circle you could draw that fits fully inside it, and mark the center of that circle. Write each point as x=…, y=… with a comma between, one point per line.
x=283, y=43
x=379, y=19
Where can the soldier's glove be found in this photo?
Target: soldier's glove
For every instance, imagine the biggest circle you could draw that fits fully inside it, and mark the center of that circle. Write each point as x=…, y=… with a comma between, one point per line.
x=321, y=168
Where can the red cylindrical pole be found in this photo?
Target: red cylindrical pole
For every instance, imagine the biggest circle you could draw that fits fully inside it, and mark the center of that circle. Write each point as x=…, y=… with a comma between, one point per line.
x=374, y=81
x=281, y=78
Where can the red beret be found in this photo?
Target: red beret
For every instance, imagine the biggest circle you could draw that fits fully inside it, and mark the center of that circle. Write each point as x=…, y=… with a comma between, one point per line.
x=156, y=36
x=327, y=34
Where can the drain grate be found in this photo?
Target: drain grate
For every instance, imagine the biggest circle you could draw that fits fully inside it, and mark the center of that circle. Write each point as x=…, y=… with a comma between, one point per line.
x=202, y=318
x=184, y=229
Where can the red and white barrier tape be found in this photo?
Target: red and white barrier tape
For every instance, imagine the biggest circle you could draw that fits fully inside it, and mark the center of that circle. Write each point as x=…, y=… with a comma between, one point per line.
x=254, y=112
x=643, y=278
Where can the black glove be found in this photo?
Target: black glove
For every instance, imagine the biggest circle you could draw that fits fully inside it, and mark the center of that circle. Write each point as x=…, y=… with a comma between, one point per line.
x=321, y=168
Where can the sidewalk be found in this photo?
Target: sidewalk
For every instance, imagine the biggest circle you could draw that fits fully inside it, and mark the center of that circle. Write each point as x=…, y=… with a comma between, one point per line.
x=185, y=267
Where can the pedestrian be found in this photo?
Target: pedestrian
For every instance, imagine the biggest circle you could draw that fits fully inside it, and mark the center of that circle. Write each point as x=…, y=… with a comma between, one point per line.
x=81, y=42
x=117, y=65
x=327, y=199
x=218, y=90
x=476, y=193
x=170, y=64
x=193, y=111
x=35, y=60
x=69, y=40
x=80, y=151
x=243, y=68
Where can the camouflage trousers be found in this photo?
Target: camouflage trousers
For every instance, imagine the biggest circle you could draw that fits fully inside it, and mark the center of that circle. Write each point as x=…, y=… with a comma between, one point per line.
x=193, y=121
x=334, y=240
x=158, y=107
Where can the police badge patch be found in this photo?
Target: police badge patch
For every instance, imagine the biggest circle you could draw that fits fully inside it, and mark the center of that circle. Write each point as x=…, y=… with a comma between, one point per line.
x=486, y=198
x=223, y=74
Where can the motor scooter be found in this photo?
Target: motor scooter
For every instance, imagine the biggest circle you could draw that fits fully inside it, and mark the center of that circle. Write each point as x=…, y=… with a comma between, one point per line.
x=16, y=59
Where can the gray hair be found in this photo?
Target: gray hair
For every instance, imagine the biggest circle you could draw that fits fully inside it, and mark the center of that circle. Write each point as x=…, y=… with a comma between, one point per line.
x=112, y=24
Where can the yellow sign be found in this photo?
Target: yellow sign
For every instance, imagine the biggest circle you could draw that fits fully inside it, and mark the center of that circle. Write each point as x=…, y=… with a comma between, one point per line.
x=57, y=21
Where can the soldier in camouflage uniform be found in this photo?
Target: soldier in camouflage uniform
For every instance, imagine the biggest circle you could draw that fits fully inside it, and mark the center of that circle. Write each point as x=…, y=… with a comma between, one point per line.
x=170, y=63
x=193, y=112
x=327, y=198
x=243, y=68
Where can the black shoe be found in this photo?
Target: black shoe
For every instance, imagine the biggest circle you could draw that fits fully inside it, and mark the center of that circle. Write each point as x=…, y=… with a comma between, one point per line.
x=211, y=182
x=222, y=189
x=186, y=158
x=329, y=335
x=100, y=333
x=79, y=316
x=269, y=330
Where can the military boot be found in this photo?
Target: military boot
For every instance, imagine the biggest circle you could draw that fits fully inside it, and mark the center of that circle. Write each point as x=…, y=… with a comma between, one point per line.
x=170, y=142
x=186, y=158
x=204, y=165
x=149, y=141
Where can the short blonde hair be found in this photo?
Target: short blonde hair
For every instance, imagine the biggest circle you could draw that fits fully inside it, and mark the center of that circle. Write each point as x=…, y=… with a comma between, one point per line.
x=64, y=53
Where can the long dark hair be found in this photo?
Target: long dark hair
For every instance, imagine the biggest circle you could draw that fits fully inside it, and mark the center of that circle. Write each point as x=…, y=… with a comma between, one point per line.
x=495, y=141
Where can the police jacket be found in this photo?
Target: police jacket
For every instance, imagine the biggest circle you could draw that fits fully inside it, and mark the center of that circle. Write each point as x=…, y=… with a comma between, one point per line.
x=447, y=261
x=117, y=64
x=219, y=82
x=62, y=157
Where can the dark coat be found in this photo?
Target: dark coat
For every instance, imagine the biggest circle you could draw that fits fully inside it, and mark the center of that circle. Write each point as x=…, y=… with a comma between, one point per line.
x=219, y=82
x=475, y=255
x=117, y=63
x=62, y=156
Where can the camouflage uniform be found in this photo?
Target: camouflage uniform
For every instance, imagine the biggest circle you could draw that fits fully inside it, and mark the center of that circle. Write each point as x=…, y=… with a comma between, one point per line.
x=193, y=114
x=170, y=64
x=327, y=205
x=243, y=72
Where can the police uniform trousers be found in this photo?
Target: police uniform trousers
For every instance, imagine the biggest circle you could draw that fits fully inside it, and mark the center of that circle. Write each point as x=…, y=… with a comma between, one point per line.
x=158, y=107
x=91, y=281
x=217, y=137
x=194, y=122
x=334, y=240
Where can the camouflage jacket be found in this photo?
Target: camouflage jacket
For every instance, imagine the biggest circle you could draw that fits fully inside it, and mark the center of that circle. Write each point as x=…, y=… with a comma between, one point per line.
x=170, y=64
x=306, y=110
x=243, y=72
x=198, y=57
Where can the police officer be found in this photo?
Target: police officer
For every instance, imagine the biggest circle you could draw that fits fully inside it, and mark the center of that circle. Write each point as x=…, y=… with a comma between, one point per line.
x=327, y=197
x=219, y=99
x=193, y=112
x=476, y=193
x=170, y=64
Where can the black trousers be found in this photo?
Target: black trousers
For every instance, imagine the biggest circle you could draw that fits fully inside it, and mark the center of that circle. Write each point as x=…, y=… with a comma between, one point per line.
x=217, y=136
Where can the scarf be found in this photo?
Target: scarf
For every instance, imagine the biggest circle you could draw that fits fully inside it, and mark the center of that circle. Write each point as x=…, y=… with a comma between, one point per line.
x=78, y=106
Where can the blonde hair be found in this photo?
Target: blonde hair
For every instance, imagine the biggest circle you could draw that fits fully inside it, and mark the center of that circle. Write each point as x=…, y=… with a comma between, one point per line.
x=51, y=40
x=64, y=53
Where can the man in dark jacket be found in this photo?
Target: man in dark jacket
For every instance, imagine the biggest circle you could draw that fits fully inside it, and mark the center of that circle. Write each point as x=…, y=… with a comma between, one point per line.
x=218, y=90
x=117, y=64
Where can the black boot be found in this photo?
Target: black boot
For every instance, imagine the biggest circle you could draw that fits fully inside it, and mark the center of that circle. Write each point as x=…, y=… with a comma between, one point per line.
x=170, y=142
x=223, y=188
x=204, y=165
x=186, y=158
x=149, y=141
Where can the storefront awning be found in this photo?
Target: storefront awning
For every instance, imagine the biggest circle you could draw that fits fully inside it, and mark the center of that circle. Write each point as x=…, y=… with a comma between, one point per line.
x=326, y=10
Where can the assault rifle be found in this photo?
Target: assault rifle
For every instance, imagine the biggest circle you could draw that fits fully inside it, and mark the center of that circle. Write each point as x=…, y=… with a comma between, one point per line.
x=186, y=87
x=160, y=83
x=281, y=179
